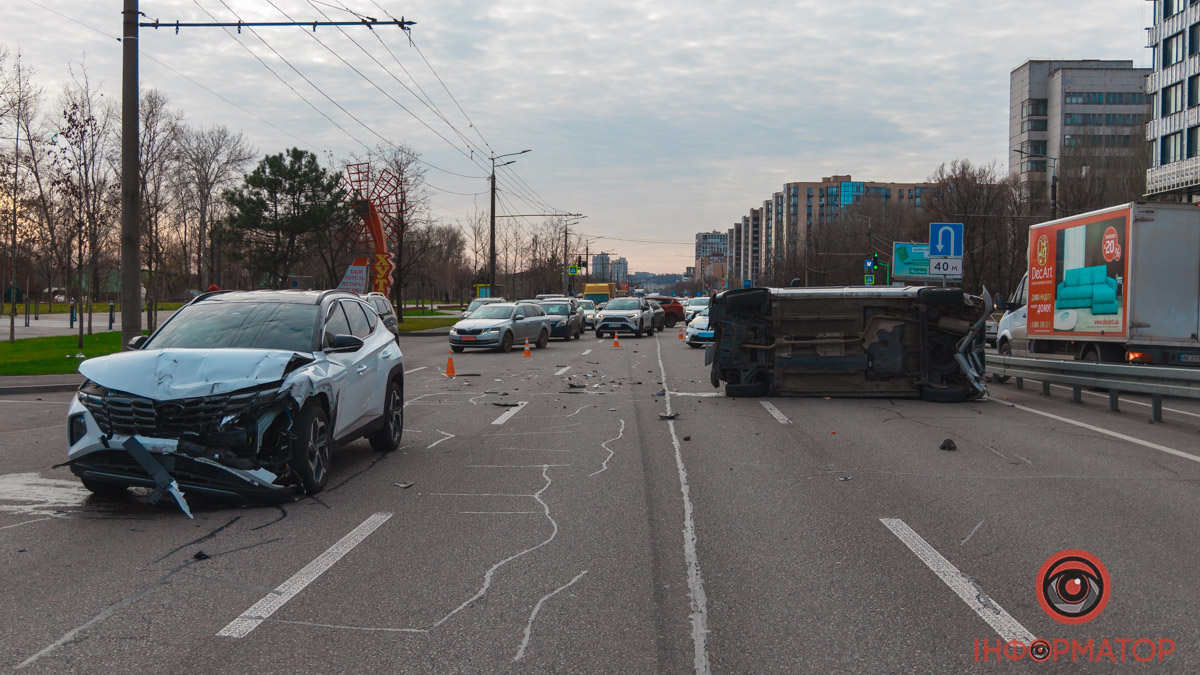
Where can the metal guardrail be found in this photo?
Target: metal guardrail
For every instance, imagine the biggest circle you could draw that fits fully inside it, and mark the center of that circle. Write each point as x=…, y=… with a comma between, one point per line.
x=1116, y=378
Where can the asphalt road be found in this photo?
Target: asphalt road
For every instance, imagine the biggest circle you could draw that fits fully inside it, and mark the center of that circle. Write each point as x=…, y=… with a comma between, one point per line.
x=577, y=532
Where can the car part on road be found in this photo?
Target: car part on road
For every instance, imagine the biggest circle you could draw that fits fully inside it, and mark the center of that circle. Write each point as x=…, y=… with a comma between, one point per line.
x=916, y=341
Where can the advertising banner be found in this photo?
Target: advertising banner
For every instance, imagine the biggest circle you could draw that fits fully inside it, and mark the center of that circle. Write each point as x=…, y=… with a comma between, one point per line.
x=910, y=260
x=355, y=280
x=1077, y=273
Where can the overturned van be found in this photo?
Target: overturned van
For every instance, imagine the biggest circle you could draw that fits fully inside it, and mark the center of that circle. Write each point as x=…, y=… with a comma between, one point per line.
x=852, y=341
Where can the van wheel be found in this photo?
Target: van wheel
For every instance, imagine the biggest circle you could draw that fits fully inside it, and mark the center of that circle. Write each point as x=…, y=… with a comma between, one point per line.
x=944, y=394
x=1005, y=350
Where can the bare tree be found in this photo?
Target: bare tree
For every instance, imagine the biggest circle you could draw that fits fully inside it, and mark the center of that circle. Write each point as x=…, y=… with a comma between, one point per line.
x=161, y=128
x=214, y=159
x=1101, y=170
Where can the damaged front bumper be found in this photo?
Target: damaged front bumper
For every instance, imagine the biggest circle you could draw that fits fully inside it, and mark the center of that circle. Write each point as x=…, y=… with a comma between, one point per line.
x=234, y=446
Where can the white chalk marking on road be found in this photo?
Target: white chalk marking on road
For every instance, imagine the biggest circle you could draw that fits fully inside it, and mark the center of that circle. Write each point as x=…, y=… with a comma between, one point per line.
x=538, y=607
x=586, y=352
x=580, y=410
x=698, y=394
x=440, y=440
x=498, y=512
x=1106, y=432
x=415, y=370
x=1129, y=400
x=474, y=398
x=487, y=576
x=604, y=445
x=775, y=412
x=261, y=610
x=35, y=520
x=511, y=411
x=973, y=531
x=699, y=601
x=970, y=592
x=562, y=370
x=529, y=433
x=414, y=400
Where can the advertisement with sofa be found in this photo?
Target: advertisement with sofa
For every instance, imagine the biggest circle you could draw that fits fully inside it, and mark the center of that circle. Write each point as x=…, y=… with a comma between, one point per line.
x=1077, y=272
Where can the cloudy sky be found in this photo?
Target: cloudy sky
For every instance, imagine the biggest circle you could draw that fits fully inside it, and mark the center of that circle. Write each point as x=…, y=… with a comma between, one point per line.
x=655, y=118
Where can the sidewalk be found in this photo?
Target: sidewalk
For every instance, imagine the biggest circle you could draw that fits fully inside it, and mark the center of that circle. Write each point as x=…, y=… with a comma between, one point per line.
x=59, y=324
x=38, y=384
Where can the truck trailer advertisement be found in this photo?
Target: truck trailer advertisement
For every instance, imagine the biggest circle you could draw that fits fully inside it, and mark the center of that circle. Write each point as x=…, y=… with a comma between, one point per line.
x=1077, y=274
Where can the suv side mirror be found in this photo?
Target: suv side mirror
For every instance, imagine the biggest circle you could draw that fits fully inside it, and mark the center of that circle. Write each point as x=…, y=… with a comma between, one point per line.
x=137, y=342
x=519, y=317
x=344, y=344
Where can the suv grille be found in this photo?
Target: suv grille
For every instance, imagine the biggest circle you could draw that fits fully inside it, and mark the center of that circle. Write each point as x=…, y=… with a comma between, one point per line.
x=121, y=413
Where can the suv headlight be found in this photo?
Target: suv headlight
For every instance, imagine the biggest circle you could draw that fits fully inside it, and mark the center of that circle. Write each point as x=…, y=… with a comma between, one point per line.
x=632, y=315
x=560, y=322
x=492, y=330
x=454, y=331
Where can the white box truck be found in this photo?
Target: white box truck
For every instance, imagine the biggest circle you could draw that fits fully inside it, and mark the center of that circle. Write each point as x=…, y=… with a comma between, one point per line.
x=1120, y=284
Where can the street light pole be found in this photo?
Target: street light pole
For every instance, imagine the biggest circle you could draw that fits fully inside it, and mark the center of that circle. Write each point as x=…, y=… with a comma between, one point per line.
x=492, y=254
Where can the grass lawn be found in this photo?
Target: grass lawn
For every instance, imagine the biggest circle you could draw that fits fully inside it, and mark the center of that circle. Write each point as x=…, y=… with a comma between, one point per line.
x=412, y=323
x=98, y=308
x=54, y=355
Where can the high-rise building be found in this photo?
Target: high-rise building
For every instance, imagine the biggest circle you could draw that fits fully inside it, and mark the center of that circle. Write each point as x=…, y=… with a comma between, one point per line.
x=601, y=269
x=711, y=242
x=620, y=270
x=1056, y=108
x=1173, y=93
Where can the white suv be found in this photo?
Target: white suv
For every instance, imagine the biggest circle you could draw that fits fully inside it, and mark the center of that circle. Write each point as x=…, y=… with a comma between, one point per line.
x=239, y=395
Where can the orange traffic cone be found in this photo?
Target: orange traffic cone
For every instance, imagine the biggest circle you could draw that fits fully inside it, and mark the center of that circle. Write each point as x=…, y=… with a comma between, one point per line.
x=680, y=334
x=616, y=342
x=527, y=352
x=450, y=366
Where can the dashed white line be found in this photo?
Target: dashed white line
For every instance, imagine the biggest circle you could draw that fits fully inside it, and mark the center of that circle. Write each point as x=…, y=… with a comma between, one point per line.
x=415, y=370
x=511, y=411
x=1106, y=432
x=987, y=609
x=261, y=610
x=538, y=607
x=699, y=394
x=699, y=601
x=445, y=435
x=604, y=445
x=562, y=370
x=36, y=520
x=775, y=412
x=586, y=352
x=487, y=576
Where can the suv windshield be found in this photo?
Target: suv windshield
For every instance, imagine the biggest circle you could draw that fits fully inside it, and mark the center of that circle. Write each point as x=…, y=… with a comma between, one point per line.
x=556, y=308
x=623, y=303
x=245, y=325
x=587, y=304
x=488, y=312
x=699, y=302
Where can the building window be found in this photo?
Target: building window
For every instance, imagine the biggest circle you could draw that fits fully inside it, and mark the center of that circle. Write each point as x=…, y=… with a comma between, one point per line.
x=1070, y=140
x=1172, y=49
x=1193, y=141
x=1194, y=39
x=1033, y=125
x=1172, y=7
x=1125, y=98
x=1171, y=149
x=1034, y=147
x=1033, y=165
x=1073, y=99
x=1172, y=99
x=1193, y=90
x=1033, y=107
x=1122, y=119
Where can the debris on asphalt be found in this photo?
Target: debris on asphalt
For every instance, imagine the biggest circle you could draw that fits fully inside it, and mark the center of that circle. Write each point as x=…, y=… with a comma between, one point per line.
x=403, y=486
x=844, y=478
x=661, y=392
x=612, y=410
x=502, y=404
x=948, y=444
x=687, y=438
x=200, y=555
x=574, y=385
x=22, y=550
x=664, y=416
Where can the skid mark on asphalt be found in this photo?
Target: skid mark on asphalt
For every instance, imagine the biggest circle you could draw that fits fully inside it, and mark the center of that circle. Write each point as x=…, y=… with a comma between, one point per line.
x=487, y=576
x=604, y=466
x=537, y=608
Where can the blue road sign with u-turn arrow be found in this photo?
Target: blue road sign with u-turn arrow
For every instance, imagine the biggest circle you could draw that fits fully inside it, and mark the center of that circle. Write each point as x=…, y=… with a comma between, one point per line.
x=945, y=240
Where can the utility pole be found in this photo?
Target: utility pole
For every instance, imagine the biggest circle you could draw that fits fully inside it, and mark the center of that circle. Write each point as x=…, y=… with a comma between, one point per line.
x=12, y=251
x=566, y=260
x=492, y=254
x=131, y=317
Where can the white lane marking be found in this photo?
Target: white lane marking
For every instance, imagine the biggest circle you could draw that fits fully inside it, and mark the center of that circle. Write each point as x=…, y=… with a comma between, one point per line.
x=580, y=410
x=970, y=592
x=367, y=629
x=511, y=411
x=415, y=370
x=1106, y=432
x=586, y=352
x=699, y=601
x=538, y=607
x=35, y=520
x=610, y=452
x=487, y=576
x=440, y=440
x=261, y=610
x=562, y=370
x=498, y=513
x=775, y=412
x=1128, y=400
x=700, y=394
x=511, y=466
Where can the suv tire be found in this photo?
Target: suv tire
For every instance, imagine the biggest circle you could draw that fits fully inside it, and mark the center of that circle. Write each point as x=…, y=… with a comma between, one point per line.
x=312, y=447
x=388, y=438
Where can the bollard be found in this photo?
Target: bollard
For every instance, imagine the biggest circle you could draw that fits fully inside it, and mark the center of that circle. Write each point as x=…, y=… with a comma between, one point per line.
x=72, y=321
x=112, y=313
x=27, y=312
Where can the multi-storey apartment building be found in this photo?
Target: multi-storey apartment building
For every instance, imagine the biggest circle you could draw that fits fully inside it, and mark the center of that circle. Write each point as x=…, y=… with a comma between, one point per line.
x=1173, y=92
x=711, y=242
x=1056, y=108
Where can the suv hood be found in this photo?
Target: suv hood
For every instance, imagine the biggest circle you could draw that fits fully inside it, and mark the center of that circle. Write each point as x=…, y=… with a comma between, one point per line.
x=166, y=374
x=618, y=312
